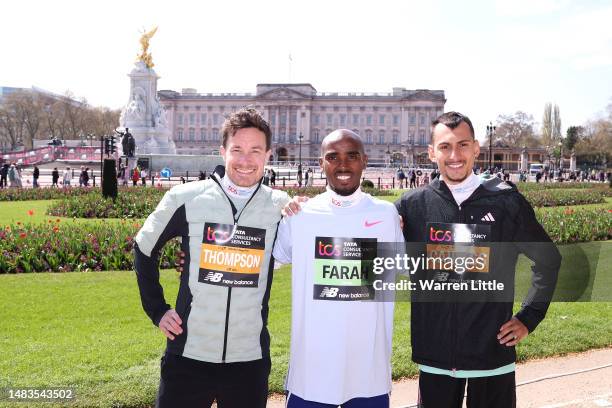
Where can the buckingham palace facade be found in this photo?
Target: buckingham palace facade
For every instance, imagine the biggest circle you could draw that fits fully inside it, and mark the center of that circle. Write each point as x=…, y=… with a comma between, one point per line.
x=394, y=126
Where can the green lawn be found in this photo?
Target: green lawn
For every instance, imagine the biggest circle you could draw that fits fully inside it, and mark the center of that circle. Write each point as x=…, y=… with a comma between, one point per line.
x=88, y=330
x=13, y=211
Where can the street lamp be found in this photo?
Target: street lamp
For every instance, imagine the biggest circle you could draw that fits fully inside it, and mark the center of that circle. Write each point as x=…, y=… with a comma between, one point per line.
x=560, y=157
x=490, y=135
x=300, y=137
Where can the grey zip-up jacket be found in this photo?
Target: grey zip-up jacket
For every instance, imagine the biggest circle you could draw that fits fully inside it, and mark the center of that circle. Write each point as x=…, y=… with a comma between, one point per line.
x=220, y=323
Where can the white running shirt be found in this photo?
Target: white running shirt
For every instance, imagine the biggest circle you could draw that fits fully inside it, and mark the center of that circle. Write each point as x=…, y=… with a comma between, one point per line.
x=340, y=349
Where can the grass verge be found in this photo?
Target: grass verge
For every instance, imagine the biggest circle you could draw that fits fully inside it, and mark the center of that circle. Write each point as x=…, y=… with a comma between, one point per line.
x=88, y=330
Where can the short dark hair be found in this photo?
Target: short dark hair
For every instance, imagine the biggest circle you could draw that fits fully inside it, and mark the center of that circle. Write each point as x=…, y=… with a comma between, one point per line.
x=243, y=119
x=452, y=120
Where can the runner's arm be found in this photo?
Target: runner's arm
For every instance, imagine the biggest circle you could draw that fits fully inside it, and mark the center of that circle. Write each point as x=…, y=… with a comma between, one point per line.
x=283, y=246
x=547, y=262
x=166, y=222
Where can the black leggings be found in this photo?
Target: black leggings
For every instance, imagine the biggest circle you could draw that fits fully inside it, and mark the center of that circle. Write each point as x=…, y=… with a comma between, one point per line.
x=189, y=383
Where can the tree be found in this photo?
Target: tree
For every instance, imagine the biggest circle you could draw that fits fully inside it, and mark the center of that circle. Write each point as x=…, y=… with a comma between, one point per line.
x=547, y=125
x=556, y=129
x=516, y=130
x=29, y=108
x=101, y=121
x=54, y=125
x=574, y=134
x=31, y=114
x=595, y=146
x=73, y=114
x=11, y=126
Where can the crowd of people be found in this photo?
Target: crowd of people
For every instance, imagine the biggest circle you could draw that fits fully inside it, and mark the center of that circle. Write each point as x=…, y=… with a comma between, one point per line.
x=11, y=175
x=413, y=178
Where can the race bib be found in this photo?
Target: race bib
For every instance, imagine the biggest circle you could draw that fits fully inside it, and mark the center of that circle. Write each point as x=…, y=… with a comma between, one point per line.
x=343, y=268
x=454, y=247
x=231, y=255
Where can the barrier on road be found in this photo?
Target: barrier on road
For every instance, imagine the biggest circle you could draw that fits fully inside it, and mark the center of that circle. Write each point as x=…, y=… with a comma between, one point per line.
x=52, y=153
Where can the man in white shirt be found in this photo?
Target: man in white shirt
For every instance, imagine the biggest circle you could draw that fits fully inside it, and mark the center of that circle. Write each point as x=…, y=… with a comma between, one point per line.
x=340, y=342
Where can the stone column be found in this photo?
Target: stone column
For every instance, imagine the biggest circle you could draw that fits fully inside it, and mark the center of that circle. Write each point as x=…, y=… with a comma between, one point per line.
x=524, y=160
x=573, y=162
x=277, y=125
x=287, y=122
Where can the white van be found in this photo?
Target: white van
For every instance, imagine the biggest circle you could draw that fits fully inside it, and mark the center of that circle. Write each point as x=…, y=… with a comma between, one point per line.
x=535, y=168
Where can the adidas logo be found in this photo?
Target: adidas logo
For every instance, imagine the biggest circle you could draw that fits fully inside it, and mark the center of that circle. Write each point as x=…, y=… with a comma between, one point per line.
x=488, y=217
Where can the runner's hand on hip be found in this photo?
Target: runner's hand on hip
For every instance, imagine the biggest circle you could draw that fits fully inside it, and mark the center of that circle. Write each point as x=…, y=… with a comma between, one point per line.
x=170, y=324
x=512, y=332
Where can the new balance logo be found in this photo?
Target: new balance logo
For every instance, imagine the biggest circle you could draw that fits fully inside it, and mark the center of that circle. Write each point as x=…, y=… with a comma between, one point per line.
x=213, y=277
x=488, y=217
x=441, y=276
x=329, y=292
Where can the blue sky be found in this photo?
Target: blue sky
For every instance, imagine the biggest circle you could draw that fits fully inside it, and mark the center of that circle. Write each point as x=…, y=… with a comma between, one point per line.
x=491, y=57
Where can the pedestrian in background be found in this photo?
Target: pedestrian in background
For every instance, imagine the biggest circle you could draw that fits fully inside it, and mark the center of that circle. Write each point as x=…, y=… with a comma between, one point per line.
x=14, y=176
x=272, y=177
x=81, y=183
x=67, y=177
x=86, y=177
x=3, y=175
x=35, y=176
x=299, y=175
x=266, y=177
x=143, y=176
x=54, y=177
x=400, y=177
x=135, y=176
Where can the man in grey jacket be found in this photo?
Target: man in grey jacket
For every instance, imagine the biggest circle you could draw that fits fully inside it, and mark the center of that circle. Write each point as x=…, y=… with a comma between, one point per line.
x=218, y=344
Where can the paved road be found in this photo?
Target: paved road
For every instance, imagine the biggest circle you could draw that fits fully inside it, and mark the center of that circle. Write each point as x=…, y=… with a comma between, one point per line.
x=577, y=385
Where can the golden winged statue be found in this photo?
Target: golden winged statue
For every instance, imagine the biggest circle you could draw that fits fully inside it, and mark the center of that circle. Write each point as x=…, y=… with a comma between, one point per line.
x=146, y=56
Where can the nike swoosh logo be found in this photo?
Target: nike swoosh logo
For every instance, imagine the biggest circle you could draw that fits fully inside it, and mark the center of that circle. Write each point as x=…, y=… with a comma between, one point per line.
x=371, y=224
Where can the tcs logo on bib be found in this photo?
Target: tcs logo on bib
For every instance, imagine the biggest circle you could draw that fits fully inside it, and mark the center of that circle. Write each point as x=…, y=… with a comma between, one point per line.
x=326, y=249
x=440, y=235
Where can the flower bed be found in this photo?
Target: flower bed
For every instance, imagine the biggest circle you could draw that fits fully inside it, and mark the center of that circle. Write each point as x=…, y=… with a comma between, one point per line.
x=567, y=225
x=60, y=246
x=136, y=202
x=564, y=197
x=530, y=186
x=48, y=193
x=130, y=203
